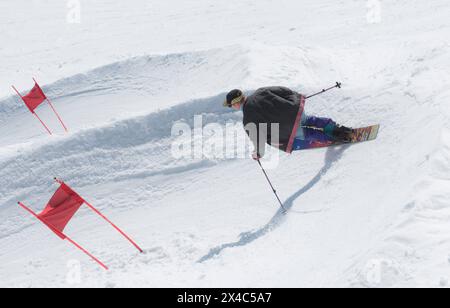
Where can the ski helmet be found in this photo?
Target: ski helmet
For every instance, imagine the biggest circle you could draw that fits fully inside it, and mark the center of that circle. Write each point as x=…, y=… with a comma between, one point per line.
x=233, y=97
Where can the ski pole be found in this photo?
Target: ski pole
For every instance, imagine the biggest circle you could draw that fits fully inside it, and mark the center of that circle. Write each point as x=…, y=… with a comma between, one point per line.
x=337, y=85
x=270, y=183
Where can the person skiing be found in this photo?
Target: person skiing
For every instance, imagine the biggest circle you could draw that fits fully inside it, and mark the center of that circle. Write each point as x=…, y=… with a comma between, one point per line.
x=285, y=108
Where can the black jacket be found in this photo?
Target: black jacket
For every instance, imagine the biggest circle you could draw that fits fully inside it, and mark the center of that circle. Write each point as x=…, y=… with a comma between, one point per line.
x=273, y=105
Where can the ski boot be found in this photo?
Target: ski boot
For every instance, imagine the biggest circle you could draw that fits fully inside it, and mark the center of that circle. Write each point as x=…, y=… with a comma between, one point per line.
x=339, y=133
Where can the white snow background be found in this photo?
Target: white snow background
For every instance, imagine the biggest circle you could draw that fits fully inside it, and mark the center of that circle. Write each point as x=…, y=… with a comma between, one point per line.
x=370, y=215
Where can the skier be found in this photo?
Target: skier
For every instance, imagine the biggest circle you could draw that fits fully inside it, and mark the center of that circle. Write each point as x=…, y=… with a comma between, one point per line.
x=285, y=107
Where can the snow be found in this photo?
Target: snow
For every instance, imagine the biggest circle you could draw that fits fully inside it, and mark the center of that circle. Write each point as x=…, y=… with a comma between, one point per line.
x=370, y=215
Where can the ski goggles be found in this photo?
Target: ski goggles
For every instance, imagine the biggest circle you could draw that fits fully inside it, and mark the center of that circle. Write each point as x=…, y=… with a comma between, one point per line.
x=235, y=101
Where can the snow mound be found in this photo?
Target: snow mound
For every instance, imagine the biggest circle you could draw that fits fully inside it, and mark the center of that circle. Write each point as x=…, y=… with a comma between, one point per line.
x=145, y=84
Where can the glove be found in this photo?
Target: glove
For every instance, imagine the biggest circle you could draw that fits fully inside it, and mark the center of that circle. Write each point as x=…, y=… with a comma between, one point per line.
x=256, y=156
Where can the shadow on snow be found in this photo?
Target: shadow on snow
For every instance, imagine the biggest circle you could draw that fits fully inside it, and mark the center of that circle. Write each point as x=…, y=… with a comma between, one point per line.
x=333, y=154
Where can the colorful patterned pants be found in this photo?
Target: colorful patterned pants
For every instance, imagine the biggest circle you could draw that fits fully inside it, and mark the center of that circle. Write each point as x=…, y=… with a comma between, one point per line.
x=311, y=133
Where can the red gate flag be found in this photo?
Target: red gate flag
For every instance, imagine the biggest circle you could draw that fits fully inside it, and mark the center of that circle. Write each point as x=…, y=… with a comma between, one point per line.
x=34, y=99
x=60, y=210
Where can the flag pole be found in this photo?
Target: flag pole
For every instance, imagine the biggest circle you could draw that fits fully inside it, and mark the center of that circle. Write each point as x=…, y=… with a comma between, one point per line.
x=87, y=253
x=51, y=105
x=48, y=130
x=17, y=92
x=28, y=210
x=57, y=115
x=114, y=226
x=62, y=235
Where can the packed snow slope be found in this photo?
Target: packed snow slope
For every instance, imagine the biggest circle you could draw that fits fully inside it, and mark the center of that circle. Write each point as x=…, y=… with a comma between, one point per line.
x=369, y=215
